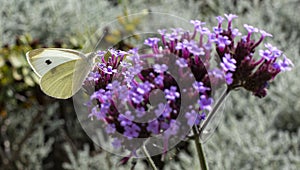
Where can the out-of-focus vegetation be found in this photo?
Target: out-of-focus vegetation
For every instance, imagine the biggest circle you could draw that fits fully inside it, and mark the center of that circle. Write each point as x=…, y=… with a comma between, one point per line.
x=39, y=132
x=18, y=81
x=29, y=119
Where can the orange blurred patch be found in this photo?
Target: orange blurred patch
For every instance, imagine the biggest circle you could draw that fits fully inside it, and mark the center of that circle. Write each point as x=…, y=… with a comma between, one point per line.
x=3, y=113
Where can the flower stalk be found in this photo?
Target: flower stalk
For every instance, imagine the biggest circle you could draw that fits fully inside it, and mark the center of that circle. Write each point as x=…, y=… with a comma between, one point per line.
x=214, y=111
x=151, y=162
x=200, y=152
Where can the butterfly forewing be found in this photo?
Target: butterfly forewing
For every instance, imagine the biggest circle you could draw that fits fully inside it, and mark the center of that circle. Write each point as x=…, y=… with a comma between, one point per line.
x=44, y=59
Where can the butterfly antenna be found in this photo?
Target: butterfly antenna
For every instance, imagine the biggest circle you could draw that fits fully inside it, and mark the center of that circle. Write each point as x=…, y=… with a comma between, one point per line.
x=104, y=33
x=91, y=39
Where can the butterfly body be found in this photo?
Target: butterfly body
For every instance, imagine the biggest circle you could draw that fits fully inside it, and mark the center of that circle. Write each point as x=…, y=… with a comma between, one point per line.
x=61, y=71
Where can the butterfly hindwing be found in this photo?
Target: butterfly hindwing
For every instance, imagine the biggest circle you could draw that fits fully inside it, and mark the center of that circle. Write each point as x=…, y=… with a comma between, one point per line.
x=66, y=79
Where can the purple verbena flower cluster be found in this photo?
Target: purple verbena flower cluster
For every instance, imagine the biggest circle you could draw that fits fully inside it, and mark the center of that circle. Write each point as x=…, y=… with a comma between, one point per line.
x=126, y=79
x=121, y=83
x=237, y=58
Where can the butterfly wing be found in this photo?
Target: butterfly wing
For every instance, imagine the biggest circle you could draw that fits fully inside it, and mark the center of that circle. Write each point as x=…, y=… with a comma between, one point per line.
x=44, y=59
x=64, y=80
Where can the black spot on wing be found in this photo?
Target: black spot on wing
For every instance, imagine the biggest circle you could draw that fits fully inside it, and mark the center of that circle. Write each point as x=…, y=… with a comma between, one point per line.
x=48, y=62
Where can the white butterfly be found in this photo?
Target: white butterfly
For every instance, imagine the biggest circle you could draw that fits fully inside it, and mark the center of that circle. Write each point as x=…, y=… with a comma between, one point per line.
x=61, y=71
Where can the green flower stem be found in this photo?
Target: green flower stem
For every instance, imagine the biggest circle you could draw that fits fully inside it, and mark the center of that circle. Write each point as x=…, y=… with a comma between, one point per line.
x=196, y=137
x=200, y=153
x=151, y=162
x=214, y=110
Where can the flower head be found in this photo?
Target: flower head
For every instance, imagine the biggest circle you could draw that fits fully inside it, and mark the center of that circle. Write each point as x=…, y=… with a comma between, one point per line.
x=190, y=52
x=172, y=93
x=205, y=103
x=152, y=41
x=228, y=63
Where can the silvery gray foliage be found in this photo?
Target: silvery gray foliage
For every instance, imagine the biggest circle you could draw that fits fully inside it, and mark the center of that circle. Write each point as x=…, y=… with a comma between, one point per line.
x=253, y=134
x=24, y=135
x=51, y=20
x=252, y=142
x=82, y=159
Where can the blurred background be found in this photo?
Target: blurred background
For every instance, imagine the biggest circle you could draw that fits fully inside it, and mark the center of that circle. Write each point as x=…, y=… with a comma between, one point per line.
x=39, y=132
